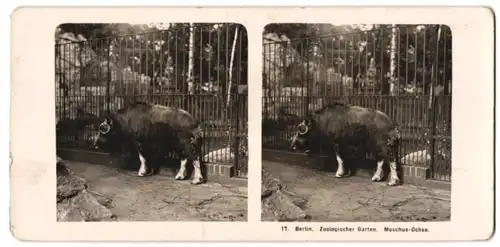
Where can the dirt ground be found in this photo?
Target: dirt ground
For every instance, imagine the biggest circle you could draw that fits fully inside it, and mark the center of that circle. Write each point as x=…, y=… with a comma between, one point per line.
x=357, y=198
x=161, y=197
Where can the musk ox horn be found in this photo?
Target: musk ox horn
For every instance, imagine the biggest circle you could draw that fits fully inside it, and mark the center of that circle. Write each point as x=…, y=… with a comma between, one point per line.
x=302, y=128
x=104, y=128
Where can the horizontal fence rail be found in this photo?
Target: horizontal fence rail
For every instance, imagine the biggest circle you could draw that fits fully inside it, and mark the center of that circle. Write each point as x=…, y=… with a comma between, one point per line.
x=402, y=70
x=201, y=68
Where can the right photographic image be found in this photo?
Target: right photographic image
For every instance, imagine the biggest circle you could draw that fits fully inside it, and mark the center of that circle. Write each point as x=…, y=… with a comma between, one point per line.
x=356, y=122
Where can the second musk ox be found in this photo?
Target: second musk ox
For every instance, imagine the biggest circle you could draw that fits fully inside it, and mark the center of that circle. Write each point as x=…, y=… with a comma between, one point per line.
x=347, y=131
x=152, y=131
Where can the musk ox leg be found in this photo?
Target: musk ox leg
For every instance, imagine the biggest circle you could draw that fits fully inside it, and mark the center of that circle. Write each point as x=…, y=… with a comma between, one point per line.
x=341, y=168
x=379, y=173
x=198, y=177
x=393, y=157
x=182, y=170
x=142, y=168
x=394, y=180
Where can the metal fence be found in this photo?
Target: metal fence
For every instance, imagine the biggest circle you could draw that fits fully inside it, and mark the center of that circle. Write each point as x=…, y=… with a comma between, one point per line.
x=201, y=68
x=402, y=70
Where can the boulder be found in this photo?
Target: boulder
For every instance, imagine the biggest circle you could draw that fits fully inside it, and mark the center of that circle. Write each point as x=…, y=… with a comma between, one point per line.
x=278, y=204
x=75, y=202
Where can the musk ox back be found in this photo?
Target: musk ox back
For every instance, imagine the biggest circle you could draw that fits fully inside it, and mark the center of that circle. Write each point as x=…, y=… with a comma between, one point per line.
x=144, y=120
x=340, y=118
x=154, y=131
x=349, y=131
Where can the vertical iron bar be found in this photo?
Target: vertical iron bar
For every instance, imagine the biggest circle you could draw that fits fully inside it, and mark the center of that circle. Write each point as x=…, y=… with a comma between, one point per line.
x=424, y=64
x=398, y=86
x=207, y=106
x=134, y=85
x=108, y=99
x=300, y=103
x=150, y=46
x=344, y=75
x=226, y=52
x=374, y=56
x=382, y=68
x=176, y=62
x=415, y=61
x=339, y=73
x=358, y=74
x=407, y=58
x=433, y=104
x=219, y=84
x=145, y=70
x=307, y=77
x=237, y=114
x=333, y=86
x=200, y=56
x=351, y=56
x=277, y=88
x=364, y=92
x=445, y=64
x=325, y=66
x=65, y=83
x=185, y=77
x=162, y=41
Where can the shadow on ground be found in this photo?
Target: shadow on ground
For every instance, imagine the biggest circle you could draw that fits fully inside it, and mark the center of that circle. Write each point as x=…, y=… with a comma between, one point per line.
x=161, y=197
x=357, y=198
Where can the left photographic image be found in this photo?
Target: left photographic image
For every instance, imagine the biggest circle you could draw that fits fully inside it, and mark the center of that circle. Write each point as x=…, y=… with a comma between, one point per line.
x=151, y=121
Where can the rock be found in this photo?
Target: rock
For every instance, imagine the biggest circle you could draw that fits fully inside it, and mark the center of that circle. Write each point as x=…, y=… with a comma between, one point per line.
x=280, y=205
x=296, y=200
x=105, y=201
x=83, y=207
x=68, y=185
x=269, y=183
x=75, y=202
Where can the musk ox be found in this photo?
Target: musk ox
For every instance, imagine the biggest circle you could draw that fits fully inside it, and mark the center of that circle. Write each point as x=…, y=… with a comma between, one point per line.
x=348, y=130
x=152, y=131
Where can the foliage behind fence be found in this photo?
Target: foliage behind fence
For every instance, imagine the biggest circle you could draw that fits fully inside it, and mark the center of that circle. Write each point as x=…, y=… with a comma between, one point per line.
x=201, y=68
x=402, y=70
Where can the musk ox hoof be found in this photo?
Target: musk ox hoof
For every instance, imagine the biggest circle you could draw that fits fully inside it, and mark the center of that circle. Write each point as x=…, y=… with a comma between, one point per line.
x=144, y=174
x=197, y=181
x=376, y=178
x=393, y=182
x=339, y=175
x=180, y=177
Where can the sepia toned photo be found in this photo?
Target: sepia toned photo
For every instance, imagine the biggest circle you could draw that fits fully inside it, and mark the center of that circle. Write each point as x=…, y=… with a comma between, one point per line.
x=356, y=122
x=151, y=121
x=252, y=124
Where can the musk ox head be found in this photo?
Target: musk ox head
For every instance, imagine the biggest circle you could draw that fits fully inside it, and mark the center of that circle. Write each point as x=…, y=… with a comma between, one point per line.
x=106, y=134
x=301, y=138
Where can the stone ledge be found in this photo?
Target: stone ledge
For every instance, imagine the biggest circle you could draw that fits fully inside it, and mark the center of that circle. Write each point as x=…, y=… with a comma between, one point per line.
x=214, y=169
x=416, y=172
